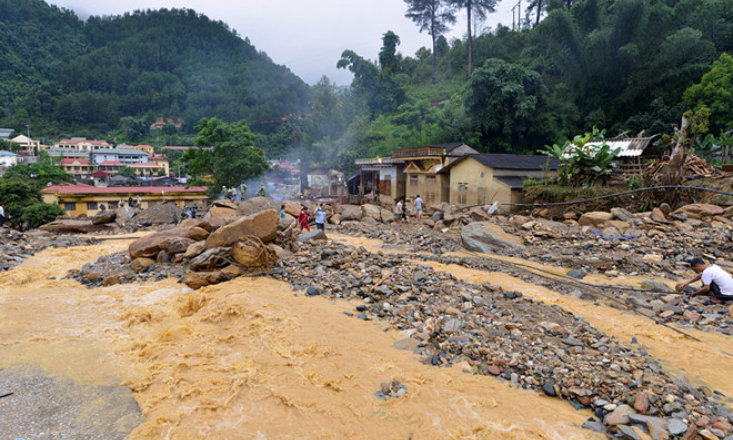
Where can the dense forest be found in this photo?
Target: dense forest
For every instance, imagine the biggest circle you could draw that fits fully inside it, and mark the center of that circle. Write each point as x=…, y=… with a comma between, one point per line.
x=627, y=66
x=114, y=75
x=622, y=65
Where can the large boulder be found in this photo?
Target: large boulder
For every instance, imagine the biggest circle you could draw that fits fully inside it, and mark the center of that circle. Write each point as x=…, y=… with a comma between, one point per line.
x=257, y=204
x=223, y=203
x=197, y=233
x=485, y=237
x=197, y=280
x=176, y=245
x=210, y=259
x=194, y=250
x=293, y=209
x=313, y=235
x=262, y=225
x=160, y=214
x=151, y=245
x=104, y=217
x=596, y=219
x=372, y=211
x=700, y=210
x=351, y=212
x=74, y=225
x=622, y=214
x=251, y=255
x=124, y=215
x=388, y=215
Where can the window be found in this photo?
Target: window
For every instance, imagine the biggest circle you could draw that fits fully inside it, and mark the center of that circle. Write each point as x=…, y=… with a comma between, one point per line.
x=70, y=206
x=91, y=206
x=113, y=205
x=413, y=180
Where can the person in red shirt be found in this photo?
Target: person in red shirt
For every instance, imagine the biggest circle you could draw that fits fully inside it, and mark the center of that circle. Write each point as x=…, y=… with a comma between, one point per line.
x=303, y=219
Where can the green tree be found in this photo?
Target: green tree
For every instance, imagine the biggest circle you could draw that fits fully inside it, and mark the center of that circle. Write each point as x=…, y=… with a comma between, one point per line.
x=433, y=17
x=233, y=159
x=389, y=59
x=39, y=214
x=505, y=102
x=480, y=9
x=127, y=172
x=37, y=174
x=715, y=91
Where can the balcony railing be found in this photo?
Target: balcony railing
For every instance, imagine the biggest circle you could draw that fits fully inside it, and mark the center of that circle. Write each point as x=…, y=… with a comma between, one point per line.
x=418, y=152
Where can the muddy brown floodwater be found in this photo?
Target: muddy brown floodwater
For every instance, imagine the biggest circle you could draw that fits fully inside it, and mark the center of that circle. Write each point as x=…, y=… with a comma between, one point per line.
x=250, y=359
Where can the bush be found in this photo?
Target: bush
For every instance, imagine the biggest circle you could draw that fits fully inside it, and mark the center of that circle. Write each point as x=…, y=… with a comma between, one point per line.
x=40, y=214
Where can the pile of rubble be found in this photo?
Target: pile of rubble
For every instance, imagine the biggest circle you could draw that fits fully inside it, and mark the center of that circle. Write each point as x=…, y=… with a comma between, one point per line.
x=529, y=344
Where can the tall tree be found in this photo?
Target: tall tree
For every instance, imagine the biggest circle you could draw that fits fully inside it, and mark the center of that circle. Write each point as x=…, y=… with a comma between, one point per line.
x=479, y=8
x=389, y=59
x=233, y=160
x=433, y=17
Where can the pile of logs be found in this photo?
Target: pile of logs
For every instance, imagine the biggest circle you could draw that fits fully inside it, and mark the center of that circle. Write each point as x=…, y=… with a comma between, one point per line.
x=694, y=167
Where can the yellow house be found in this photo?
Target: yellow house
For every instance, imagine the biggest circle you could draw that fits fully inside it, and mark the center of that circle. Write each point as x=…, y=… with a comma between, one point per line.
x=422, y=167
x=147, y=169
x=81, y=144
x=28, y=145
x=77, y=167
x=146, y=148
x=482, y=179
x=86, y=199
x=161, y=160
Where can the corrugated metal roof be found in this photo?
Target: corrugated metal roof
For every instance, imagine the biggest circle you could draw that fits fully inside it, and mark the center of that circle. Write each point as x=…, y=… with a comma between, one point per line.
x=630, y=147
x=516, y=161
x=513, y=182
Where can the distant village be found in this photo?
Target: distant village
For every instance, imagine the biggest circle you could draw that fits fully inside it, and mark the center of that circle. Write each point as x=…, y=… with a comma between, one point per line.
x=453, y=173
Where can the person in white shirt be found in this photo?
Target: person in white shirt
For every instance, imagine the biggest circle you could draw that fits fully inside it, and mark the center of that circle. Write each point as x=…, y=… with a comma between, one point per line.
x=321, y=218
x=716, y=282
x=2, y=215
x=418, y=207
x=399, y=210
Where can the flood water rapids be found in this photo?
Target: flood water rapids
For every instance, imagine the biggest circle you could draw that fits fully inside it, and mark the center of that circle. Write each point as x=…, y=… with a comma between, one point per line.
x=253, y=359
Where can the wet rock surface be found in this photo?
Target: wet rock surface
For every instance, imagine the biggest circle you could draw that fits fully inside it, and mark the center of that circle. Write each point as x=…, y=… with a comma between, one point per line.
x=45, y=407
x=16, y=247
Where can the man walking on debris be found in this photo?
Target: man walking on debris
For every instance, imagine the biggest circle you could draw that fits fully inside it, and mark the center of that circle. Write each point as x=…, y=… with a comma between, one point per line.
x=716, y=282
x=321, y=218
x=399, y=210
x=418, y=207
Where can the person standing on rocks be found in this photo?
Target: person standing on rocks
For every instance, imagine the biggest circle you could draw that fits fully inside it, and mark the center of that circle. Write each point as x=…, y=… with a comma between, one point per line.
x=418, y=207
x=129, y=201
x=2, y=215
x=321, y=218
x=303, y=219
x=716, y=282
x=139, y=203
x=399, y=210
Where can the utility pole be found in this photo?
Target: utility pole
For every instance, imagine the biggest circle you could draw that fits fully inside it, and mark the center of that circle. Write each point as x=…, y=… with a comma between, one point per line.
x=517, y=25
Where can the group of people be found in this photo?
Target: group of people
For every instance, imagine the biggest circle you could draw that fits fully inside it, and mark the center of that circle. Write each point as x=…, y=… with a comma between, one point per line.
x=304, y=217
x=138, y=202
x=400, y=210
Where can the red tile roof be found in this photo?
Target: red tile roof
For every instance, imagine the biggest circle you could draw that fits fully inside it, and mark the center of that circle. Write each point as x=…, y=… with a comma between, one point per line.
x=176, y=148
x=88, y=189
x=112, y=162
x=146, y=165
x=69, y=161
x=77, y=141
x=100, y=174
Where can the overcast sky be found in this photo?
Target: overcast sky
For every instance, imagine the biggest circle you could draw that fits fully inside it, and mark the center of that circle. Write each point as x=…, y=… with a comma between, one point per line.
x=306, y=36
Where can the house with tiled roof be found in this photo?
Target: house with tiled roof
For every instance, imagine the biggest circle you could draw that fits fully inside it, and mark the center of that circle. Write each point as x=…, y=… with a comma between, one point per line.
x=79, y=168
x=81, y=144
x=86, y=199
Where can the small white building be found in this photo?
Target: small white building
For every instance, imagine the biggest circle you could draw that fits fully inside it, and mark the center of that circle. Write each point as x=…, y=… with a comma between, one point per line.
x=8, y=159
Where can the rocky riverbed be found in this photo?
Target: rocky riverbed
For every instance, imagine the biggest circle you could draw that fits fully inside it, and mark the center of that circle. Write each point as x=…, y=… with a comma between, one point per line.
x=17, y=246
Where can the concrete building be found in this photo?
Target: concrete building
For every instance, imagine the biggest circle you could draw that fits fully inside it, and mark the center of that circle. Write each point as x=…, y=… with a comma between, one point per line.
x=5, y=133
x=146, y=148
x=381, y=176
x=28, y=145
x=86, y=199
x=8, y=158
x=147, y=169
x=110, y=166
x=79, y=168
x=127, y=157
x=422, y=166
x=161, y=160
x=482, y=179
x=81, y=144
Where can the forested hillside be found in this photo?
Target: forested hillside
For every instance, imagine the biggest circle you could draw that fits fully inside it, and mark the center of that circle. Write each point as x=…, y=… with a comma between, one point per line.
x=623, y=65
x=62, y=75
